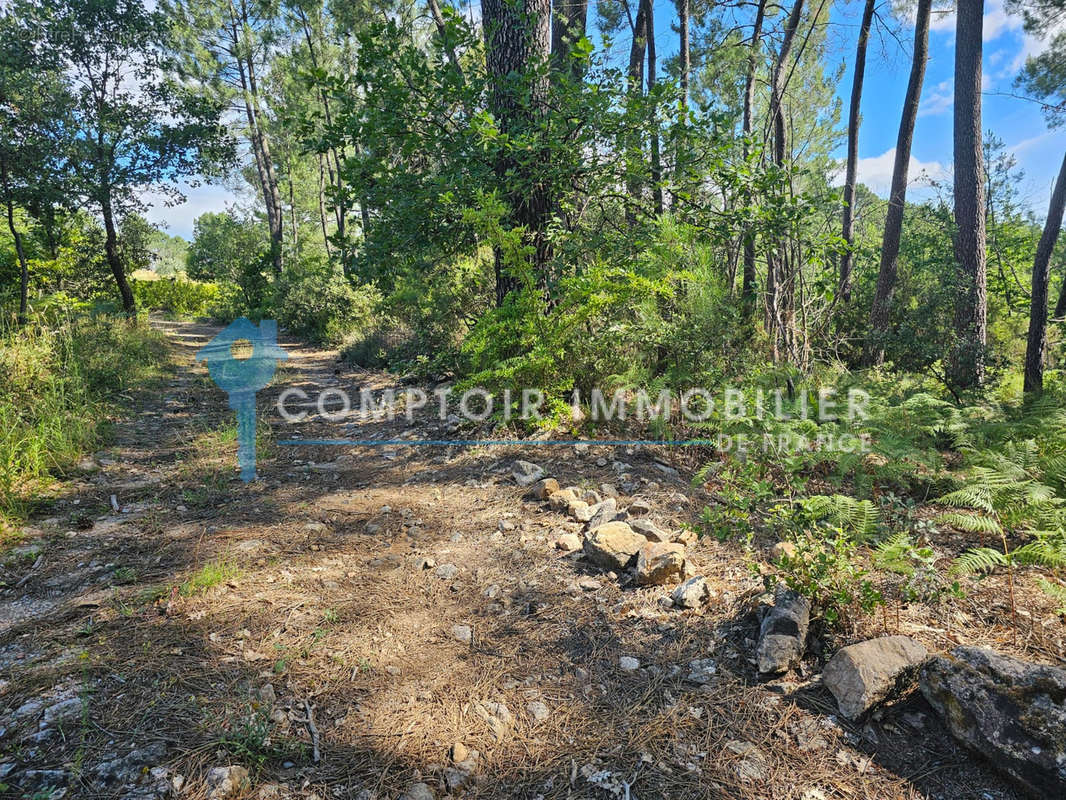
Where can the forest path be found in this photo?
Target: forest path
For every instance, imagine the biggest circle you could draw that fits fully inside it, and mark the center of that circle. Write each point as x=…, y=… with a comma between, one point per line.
x=413, y=600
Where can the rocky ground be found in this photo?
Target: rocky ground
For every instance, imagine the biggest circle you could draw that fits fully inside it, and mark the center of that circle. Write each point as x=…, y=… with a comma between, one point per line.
x=392, y=621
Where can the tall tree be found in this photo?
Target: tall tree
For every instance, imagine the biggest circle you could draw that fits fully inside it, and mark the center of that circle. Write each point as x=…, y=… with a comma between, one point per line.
x=224, y=45
x=684, y=58
x=130, y=127
x=1036, y=343
x=656, y=157
x=517, y=44
x=971, y=308
x=847, y=260
x=880, y=313
x=635, y=82
x=569, y=20
x=748, y=287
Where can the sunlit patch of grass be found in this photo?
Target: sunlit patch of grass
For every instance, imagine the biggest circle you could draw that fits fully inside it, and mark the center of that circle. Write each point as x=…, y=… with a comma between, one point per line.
x=210, y=574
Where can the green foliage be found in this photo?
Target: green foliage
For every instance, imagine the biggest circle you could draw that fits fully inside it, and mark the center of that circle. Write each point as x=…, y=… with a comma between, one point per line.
x=177, y=296
x=322, y=305
x=827, y=571
x=859, y=519
x=211, y=574
x=58, y=375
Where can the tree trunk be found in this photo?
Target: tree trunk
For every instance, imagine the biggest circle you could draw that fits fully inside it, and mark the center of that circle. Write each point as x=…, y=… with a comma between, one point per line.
x=518, y=38
x=24, y=270
x=886, y=278
x=569, y=21
x=656, y=158
x=848, y=259
x=1037, y=341
x=684, y=58
x=778, y=281
x=277, y=237
x=748, y=290
x=1060, y=307
x=971, y=312
x=635, y=81
x=322, y=203
x=114, y=261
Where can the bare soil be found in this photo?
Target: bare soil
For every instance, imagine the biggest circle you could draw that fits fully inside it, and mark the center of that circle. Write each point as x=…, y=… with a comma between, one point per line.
x=198, y=625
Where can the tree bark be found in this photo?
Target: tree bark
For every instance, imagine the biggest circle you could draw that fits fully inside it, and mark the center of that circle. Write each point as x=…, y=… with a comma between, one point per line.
x=684, y=57
x=569, y=21
x=635, y=81
x=114, y=261
x=517, y=38
x=971, y=311
x=24, y=269
x=748, y=291
x=886, y=278
x=1036, y=343
x=777, y=281
x=848, y=259
x=656, y=157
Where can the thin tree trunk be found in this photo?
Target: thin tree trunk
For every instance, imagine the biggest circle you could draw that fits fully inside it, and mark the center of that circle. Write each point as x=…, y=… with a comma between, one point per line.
x=656, y=158
x=115, y=262
x=748, y=291
x=442, y=30
x=635, y=81
x=848, y=259
x=322, y=203
x=569, y=21
x=971, y=310
x=292, y=209
x=886, y=279
x=778, y=282
x=24, y=270
x=277, y=236
x=1036, y=343
x=684, y=57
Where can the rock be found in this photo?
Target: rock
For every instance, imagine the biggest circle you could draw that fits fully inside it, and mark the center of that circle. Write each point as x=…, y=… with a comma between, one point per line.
x=1011, y=711
x=613, y=546
x=579, y=510
x=864, y=674
x=459, y=752
x=639, y=507
x=223, y=782
x=603, y=512
x=752, y=767
x=701, y=670
x=628, y=664
x=63, y=712
x=659, y=563
x=568, y=542
x=782, y=550
x=462, y=633
x=588, y=583
x=783, y=634
x=505, y=525
x=497, y=716
x=687, y=537
x=538, y=711
x=446, y=571
x=544, y=488
x=649, y=530
x=418, y=791
x=560, y=500
x=526, y=473
x=692, y=593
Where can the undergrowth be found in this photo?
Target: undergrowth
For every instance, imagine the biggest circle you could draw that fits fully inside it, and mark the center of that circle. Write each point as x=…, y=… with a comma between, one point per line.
x=60, y=378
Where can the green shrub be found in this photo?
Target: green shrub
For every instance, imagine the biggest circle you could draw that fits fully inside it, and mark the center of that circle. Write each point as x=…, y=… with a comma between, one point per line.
x=58, y=375
x=321, y=305
x=176, y=296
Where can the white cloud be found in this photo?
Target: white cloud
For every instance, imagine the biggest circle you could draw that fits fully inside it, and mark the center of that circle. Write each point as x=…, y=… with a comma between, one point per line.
x=876, y=172
x=938, y=100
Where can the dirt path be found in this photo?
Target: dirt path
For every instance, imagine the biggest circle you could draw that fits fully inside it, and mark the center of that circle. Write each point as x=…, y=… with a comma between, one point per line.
x=414, y=601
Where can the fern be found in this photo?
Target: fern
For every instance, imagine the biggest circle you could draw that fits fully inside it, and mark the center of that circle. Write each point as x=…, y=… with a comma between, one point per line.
x=1055, y=592
x=978, y=561
x=858, y=518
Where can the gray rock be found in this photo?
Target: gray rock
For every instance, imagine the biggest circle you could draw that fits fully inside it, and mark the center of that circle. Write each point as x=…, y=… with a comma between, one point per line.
x=649, y=530
x=613, y=546
x=446, y=571
x=538, y=711
x=783, y=634
x=462, y=633
x=603, y=512
x=692, y=593
x=1011, y=711
x=418, y=791
x=628, y=664
x=526, y=473
x=701, y=671
x=864, y=674
x=639, y=507
x=223, y=782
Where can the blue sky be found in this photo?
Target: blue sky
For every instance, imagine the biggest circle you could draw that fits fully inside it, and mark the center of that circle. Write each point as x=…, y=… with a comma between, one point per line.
x=1017, y=121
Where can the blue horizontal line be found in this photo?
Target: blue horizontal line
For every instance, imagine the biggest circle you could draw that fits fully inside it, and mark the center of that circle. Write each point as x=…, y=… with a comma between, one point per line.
x=493, y=442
